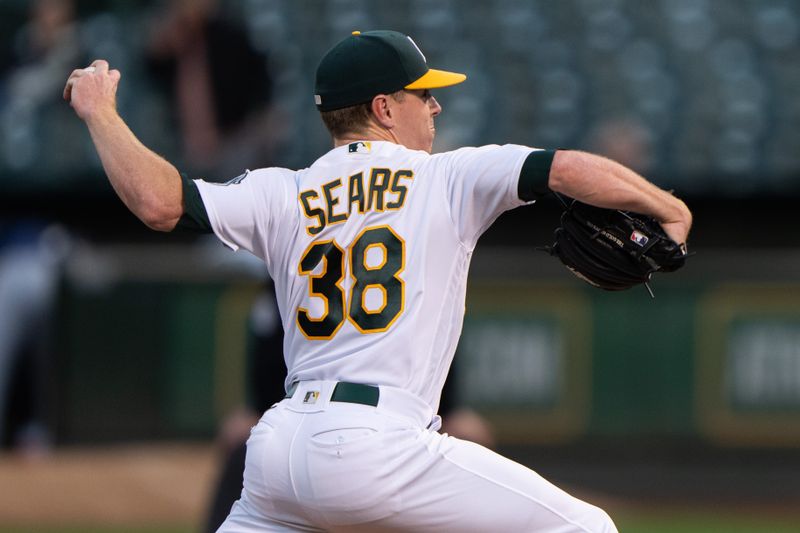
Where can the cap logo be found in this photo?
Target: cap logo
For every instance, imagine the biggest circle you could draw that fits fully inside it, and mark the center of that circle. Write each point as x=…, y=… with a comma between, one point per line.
x=417, y=47
x=317, y=99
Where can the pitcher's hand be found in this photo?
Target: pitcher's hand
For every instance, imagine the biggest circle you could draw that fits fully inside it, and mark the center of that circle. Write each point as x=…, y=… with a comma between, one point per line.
x=92, y=90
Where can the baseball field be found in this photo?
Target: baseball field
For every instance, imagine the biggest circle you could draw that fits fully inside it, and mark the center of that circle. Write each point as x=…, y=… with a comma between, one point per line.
x=163, y=488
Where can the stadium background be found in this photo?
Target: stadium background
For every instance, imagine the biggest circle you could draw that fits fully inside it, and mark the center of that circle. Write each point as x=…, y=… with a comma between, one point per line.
x=681, y=412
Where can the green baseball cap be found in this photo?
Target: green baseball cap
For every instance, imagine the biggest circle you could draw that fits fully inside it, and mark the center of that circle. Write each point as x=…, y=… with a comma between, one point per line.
x=374, y=62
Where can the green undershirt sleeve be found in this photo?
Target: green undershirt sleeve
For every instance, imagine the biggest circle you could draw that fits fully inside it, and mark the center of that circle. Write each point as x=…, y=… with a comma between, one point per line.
x=534, y=175
x=195, y=216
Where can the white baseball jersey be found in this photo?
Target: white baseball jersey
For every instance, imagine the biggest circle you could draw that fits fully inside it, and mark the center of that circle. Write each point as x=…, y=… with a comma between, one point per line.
x=369, y=250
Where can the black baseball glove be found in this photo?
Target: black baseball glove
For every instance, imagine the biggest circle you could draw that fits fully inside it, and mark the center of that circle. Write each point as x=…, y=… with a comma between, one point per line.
x=613, y=249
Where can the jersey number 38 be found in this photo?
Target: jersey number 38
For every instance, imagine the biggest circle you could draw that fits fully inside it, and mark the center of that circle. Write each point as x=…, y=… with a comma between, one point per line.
x=340, y=306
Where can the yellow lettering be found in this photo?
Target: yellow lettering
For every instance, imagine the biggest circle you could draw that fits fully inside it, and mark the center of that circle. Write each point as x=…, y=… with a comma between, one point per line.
x=399, y=189
x=310, y=212
x=384, y=190
x=378, y=183
x=331, y=202
x=357, y=193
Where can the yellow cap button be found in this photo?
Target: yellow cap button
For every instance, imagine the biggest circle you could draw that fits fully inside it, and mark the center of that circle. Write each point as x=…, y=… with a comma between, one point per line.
x=356, y=33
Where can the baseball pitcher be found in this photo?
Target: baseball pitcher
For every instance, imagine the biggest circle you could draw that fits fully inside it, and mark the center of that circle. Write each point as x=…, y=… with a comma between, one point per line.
x=369, y=249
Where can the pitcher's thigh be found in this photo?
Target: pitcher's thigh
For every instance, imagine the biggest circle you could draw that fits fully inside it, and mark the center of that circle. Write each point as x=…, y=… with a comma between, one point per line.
x=242, y=520
x=470, y=488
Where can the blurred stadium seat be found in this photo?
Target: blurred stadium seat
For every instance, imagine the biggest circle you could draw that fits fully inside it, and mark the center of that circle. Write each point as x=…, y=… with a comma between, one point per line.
x=708, y=86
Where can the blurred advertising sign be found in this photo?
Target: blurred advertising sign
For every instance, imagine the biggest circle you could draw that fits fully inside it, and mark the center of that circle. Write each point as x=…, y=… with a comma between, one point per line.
x=524, y=360
x=762, y=365
x=747, y=379
x=523, y=356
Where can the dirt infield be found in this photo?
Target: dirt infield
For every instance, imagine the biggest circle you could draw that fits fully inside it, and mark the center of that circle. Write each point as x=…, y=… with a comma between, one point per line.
x=125, y=485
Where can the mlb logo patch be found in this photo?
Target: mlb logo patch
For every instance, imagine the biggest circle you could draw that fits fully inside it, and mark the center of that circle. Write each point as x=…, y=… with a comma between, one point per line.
x=639, y=238
x=360, y=147
x=311, y=396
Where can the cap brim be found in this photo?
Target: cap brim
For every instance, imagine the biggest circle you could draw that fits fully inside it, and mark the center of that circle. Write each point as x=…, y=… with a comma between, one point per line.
x=434, y=79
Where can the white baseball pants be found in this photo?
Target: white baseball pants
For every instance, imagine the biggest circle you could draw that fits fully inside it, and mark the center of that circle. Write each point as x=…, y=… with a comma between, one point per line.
x=317, y=465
